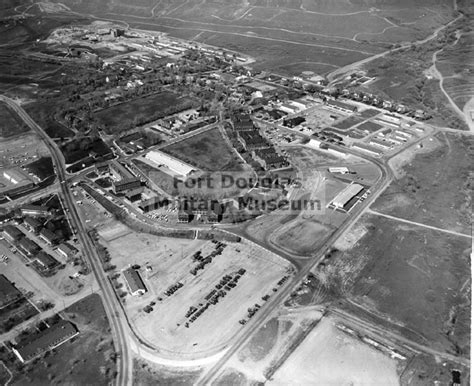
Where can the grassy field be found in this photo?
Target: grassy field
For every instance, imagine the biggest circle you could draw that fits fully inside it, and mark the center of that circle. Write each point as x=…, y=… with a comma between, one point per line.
x=208, y=151
x=417, y=282
x=122, y=116
x=436, y=187
x=10, y=123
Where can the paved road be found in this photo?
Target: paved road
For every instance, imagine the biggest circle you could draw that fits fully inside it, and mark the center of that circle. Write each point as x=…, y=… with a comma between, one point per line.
x=111, y=305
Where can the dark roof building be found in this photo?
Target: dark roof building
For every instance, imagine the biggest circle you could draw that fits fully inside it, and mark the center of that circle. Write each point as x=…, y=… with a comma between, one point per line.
x=152, y=204
x=338, y=105
x=293, y=122
x=45, y=340
x=12, y=233
x=134, y=194
x=252, y=140
x=270, y=159
x=8, y=292
x=46, y=261
x=242, y=122
x=124, y=179
x=67, y=250
x=49, y=236
x=126, y=184
x=28, y=246
x=32, y=224
x=134, y=282
x=184, y=217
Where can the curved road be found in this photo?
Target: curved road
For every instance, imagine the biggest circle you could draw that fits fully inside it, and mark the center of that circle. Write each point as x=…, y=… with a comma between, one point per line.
x=111, y=304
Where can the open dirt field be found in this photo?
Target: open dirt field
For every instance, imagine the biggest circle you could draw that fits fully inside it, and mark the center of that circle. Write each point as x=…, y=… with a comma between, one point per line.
x=331, y=357
x=438, y=184
x=417, y=283
x=171, y=261
x=208, y=151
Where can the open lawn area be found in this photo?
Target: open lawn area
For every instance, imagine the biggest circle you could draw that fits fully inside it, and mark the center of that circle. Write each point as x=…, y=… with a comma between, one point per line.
x=138, y=111
x=208, y=151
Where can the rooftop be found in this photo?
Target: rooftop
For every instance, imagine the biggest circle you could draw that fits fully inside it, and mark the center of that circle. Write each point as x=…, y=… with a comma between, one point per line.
x=53, y=336
x=134, y=280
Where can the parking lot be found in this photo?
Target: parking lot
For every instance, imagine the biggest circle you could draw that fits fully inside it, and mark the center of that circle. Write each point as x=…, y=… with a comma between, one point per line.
x=197, y=291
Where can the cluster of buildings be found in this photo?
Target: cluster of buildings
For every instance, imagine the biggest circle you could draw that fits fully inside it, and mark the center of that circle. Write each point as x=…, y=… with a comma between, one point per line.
x=373, y=100
x=123, y=179
x=210, y=211
x=262, y=150
x=43, y=262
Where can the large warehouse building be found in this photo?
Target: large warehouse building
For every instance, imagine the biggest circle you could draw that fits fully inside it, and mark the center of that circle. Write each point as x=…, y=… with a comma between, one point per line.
x=175, y=165
x=346, y=195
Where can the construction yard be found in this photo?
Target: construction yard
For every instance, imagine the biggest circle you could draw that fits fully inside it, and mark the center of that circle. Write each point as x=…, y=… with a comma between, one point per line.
x=199, y=293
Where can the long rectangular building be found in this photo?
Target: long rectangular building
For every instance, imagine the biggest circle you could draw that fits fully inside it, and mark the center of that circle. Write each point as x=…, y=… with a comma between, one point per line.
x=48, y=339
x=8, y=292
x=346, y=195
x=175, y=165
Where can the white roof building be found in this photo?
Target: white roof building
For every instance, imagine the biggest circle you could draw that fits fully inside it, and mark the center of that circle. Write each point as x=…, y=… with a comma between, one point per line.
x=346, y=195
x=175, y=165
x=339, y=169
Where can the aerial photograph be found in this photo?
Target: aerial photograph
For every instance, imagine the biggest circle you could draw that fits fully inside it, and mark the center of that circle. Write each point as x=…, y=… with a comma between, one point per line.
x=236, y=192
